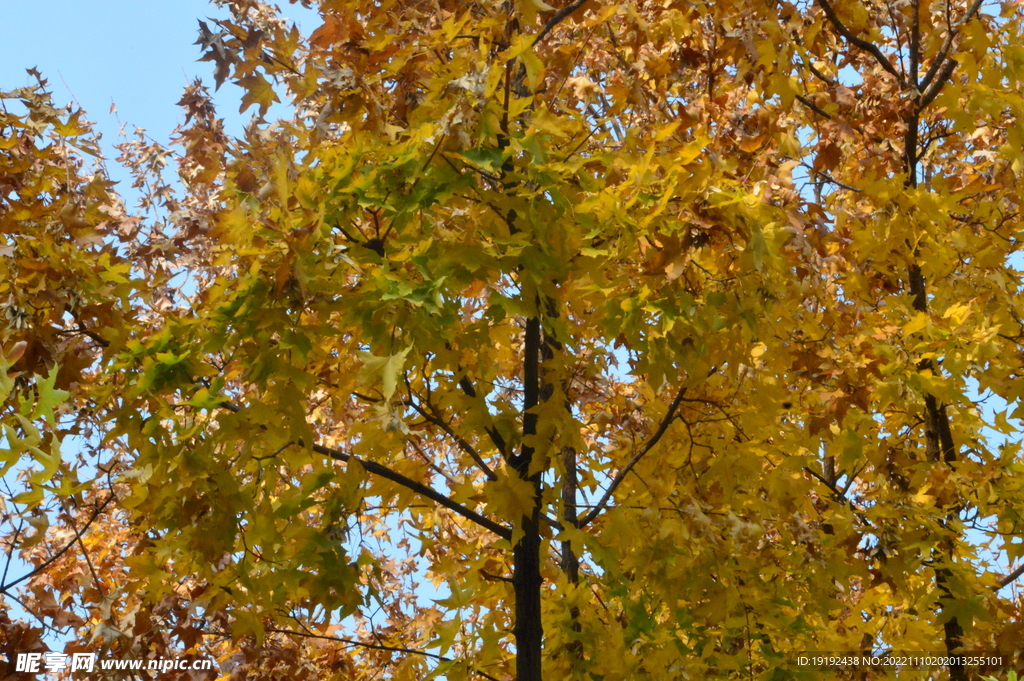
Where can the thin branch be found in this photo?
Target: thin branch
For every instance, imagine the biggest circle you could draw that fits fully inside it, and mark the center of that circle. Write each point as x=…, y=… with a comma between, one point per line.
x=371, y=646
x=432, y=417
x=89, y=333
x=828, y=178
x=932, y=92
x=559, y=17
x=946, y=45
x=813, y=107
x=899, y=42
x=648, y=446
x=32, y=612
x=64, y=549
x=1010, y=578
x=88, y=561
x=361, y=644
x=17, y=533
x=915, y=43
x=433, y=466
x=864, y=45
x=840, y=496
x=396, y=477
x=467, y=387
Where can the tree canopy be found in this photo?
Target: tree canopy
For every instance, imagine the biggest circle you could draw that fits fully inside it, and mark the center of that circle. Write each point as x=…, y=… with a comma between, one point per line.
x=576, y=341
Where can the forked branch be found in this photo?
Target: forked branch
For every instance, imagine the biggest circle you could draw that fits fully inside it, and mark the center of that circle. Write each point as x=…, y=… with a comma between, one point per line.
x=940, y=59
x=864, y=45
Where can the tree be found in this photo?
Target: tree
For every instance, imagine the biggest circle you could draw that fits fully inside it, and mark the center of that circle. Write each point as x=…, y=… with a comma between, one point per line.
x=658, y=337
x=64, y=291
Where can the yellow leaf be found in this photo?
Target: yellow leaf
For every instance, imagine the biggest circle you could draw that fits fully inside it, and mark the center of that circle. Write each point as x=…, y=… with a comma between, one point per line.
x=387, y=369
x=916, y=324
x=958, y=312
x=257, y=91
x=923, y=499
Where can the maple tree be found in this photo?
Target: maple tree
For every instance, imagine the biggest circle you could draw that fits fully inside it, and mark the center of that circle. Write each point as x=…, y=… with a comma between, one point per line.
x=663, y=339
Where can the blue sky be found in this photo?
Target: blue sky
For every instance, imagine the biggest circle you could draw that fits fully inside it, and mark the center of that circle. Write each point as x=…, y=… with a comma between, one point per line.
x=136, y=54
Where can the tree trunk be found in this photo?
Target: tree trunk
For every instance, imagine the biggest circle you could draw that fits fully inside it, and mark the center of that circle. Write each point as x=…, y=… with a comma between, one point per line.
x=526, y=577
x=527, y=582
x=939, y=444
x=570, y=561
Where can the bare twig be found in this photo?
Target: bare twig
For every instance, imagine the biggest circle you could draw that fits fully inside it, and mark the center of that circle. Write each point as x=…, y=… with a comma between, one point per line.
x=434, y=418
x=88, y=561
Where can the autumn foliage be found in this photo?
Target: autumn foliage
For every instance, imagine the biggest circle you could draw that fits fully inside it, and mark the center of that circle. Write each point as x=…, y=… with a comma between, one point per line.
x=591, y=341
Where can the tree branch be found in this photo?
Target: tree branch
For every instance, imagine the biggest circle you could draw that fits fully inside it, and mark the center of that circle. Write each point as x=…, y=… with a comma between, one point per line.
x=864, y=45
x=88, y=561
x=433, y=418
x=64, y=549
x=361, y=644
x=103, y=342
x=467, y=387
x=371, y=646
x=1010, y=578
x=396, y=477
x=840, y=495
x=944, y=50
x=621, y=475
x=915, y=43
x=933, y=92
x=32, y=612
x=492, y=432
x=559, y=17
x=814, y=70
x=813, y=107
x=419, y=488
